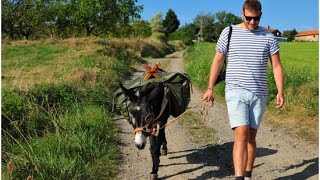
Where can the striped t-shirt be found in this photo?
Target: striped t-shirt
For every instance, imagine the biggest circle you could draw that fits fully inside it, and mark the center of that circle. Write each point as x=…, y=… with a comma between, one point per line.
x=247, y=58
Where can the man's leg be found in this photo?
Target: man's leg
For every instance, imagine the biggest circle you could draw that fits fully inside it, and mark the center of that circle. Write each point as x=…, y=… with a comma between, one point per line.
x=240, y=149
x=252, y=148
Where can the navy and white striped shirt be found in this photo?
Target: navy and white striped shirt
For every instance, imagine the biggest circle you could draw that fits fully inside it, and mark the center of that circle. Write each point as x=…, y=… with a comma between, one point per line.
x=247, y=58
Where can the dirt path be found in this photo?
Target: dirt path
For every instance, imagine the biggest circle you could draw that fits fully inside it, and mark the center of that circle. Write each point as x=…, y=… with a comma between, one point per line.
x=279, y=156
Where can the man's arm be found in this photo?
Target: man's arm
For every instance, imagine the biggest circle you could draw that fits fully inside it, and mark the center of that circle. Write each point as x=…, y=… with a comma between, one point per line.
x=216, y=65
x=278, y=77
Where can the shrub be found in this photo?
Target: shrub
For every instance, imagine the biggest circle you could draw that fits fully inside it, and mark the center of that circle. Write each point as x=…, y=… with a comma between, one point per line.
x=56, y=98
x=159, y=36
x=182, y=36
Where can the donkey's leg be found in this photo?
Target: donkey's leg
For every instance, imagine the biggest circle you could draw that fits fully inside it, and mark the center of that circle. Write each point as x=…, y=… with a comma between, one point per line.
x=155, y=145
x=164, y=149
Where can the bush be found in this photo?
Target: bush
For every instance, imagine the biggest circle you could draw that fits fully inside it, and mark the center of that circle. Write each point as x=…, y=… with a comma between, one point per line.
x=182, y=36
x=14, y=105
x=159, y=36
x=56, y=98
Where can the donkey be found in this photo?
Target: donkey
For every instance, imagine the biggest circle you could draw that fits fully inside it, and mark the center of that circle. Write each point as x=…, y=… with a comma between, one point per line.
x=149, y=112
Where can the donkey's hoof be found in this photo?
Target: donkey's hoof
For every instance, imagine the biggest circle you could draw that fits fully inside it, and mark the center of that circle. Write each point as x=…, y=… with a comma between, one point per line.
x=153, y=176
x=164, y=152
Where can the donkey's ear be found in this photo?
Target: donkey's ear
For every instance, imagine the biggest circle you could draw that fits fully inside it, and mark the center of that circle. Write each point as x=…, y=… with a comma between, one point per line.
x=128, y=93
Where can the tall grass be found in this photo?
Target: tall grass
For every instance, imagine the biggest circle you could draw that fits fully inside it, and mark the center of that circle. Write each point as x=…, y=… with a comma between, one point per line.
x=58, y=132
x=86, y=145
x=300, y=63
x=56, y=103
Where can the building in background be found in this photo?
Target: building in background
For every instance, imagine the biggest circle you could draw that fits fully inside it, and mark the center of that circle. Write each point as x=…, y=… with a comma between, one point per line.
x=277, y=34
x=310, y=35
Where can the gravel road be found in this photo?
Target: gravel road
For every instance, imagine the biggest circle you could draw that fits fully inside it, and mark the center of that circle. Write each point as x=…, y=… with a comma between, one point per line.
x=279, y=156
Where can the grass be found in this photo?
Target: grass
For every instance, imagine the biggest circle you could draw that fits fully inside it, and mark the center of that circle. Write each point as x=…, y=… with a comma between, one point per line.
x=300, y=63
x=26, y=57
x=56, y=105
x=199, y=132
x=300, y=54
x=198, y=61
x=87, y=144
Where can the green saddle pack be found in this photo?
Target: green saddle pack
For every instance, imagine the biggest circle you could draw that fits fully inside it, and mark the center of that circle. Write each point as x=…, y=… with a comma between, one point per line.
x=178, y=84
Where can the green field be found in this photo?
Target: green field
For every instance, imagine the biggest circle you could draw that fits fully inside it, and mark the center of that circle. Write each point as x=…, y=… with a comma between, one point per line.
x=302, y=55
x=301, y=65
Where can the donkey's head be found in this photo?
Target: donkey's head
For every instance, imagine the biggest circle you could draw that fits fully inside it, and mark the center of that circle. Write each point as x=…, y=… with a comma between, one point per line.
x=143, y=109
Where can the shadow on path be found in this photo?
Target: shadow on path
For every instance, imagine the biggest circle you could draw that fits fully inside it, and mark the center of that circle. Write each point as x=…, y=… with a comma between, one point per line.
x=311, y=170
x=219, y=157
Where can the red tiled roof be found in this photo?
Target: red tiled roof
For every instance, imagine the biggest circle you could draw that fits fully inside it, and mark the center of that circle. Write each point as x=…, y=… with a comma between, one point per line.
x=307, y=33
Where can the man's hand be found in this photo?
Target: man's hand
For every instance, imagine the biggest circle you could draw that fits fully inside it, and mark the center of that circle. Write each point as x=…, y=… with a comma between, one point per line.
x=279, y=100
x=207, y=96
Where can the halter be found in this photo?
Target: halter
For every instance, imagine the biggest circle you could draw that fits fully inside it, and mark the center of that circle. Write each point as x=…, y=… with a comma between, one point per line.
x=153, y=130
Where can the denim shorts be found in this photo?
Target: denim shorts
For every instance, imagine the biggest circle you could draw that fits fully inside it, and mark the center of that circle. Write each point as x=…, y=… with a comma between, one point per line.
x=245, y=108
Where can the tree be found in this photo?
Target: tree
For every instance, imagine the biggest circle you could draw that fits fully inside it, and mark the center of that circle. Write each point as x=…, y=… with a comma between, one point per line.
x=185, y=34
x=171, y=22
x=205, y=24
x=88, y=15
x=224, y=19
x=140, y=28
x=127, y=12
x=190, y=29
x=156, y=23
x=65, y=18
x=8, y=17
x=290, y=34
x=28, y=19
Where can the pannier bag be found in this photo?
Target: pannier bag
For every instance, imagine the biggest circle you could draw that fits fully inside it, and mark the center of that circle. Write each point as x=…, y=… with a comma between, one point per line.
x=178, y=84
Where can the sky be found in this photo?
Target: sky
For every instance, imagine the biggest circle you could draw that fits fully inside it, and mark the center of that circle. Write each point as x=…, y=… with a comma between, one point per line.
x=278, y=14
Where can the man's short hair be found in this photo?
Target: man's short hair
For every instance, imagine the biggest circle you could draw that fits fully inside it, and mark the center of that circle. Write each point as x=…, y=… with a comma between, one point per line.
x=253, y=5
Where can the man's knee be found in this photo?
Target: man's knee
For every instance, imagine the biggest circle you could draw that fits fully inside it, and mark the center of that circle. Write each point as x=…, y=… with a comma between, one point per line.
x=252, y=135
x=241, y=134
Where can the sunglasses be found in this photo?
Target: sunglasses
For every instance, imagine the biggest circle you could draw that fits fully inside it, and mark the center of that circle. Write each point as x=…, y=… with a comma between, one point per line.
x=249, y=18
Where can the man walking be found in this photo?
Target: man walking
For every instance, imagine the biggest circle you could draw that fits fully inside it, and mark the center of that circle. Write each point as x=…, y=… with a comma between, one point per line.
x=246, y=81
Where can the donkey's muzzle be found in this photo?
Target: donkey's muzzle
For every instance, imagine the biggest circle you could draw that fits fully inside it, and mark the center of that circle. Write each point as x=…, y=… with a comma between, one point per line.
x=140, y=140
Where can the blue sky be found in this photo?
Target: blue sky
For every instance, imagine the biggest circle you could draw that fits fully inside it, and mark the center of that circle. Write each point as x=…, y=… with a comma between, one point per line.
x=278, y=14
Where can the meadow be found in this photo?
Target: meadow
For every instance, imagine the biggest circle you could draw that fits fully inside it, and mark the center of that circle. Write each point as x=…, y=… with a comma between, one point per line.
x=300, y=62
x=57, y=105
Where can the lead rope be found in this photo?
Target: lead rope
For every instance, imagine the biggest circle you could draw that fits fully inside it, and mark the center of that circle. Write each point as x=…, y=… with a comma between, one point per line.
x=205, y=108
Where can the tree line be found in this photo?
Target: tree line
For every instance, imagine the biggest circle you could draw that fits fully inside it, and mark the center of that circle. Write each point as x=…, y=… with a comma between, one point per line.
x=36, y=19
x=66, y=18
